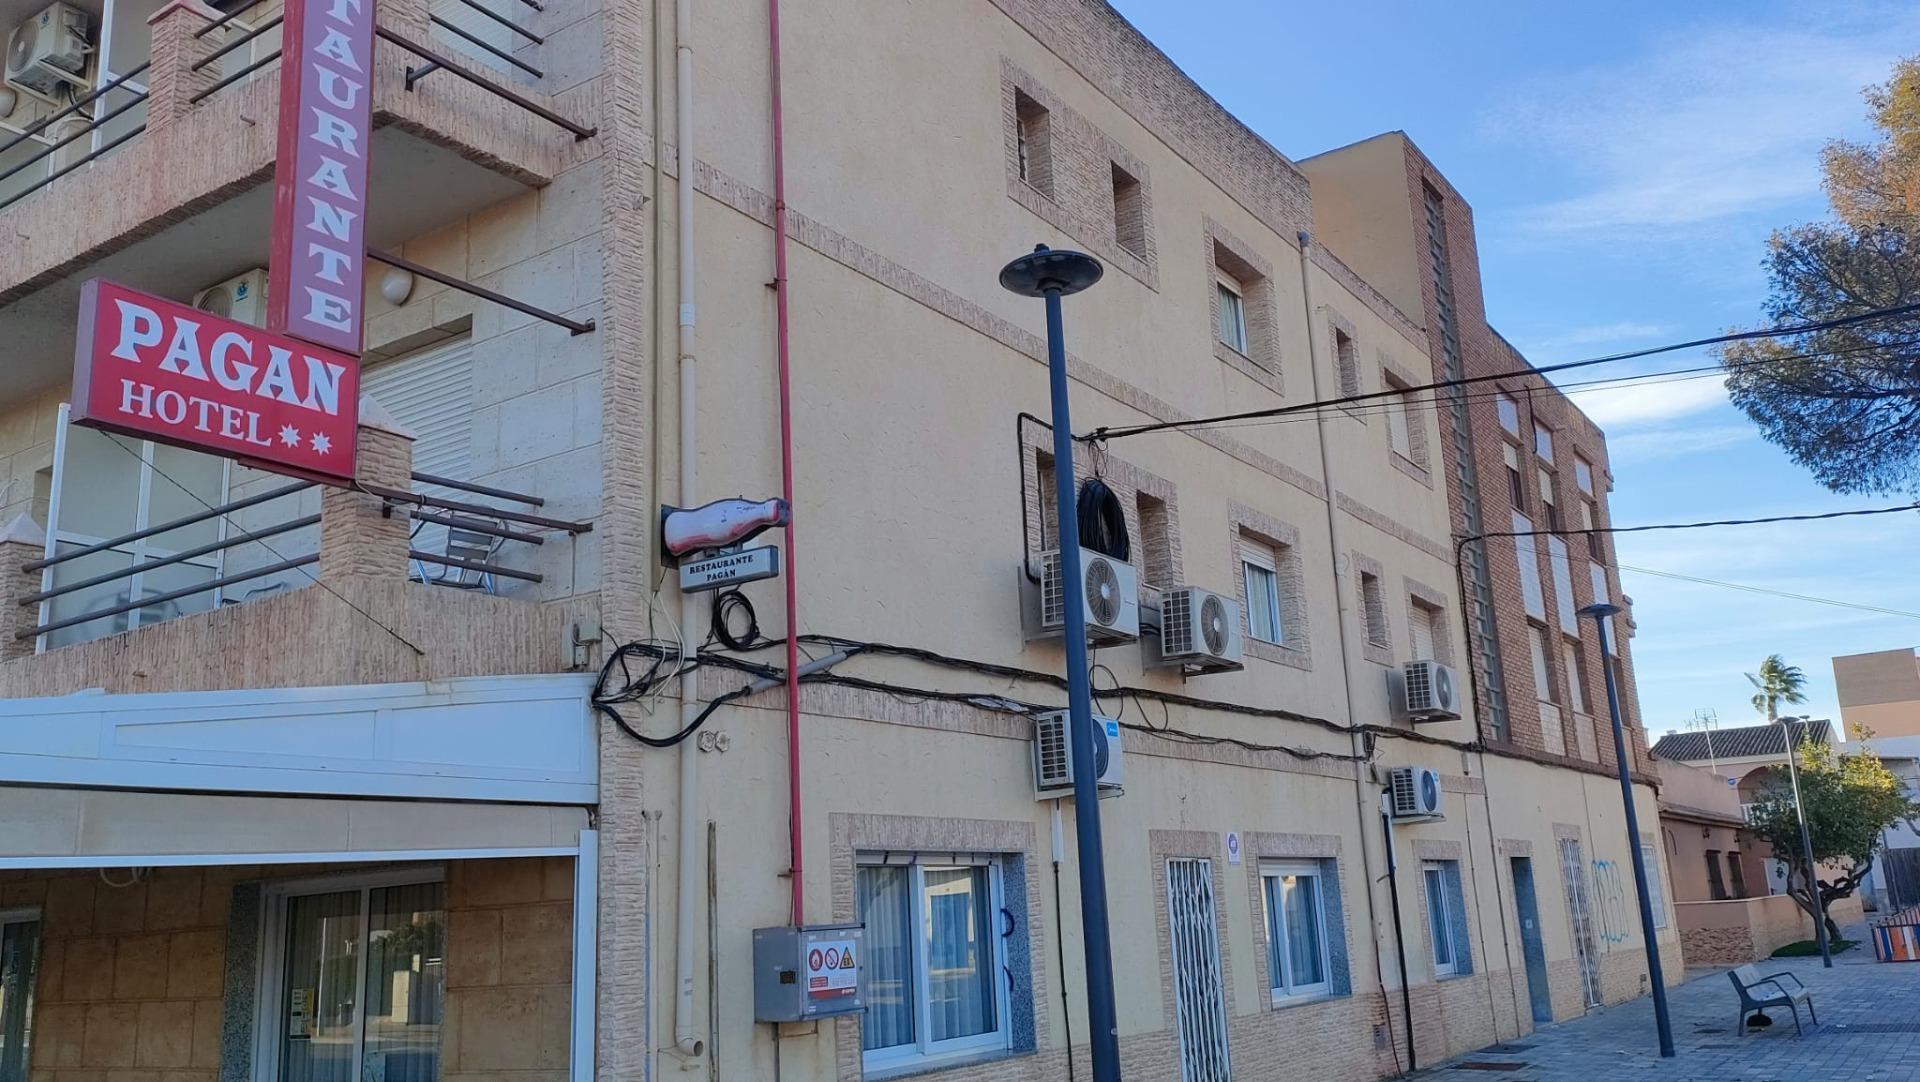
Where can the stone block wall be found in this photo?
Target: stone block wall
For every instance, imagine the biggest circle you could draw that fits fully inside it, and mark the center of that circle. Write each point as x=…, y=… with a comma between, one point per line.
x=133, y=978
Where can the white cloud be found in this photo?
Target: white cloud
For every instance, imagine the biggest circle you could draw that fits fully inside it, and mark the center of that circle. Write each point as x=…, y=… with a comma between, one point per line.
x=1624, y=405
x=1719, y=120
x=1542, y=347
x=1669, y=443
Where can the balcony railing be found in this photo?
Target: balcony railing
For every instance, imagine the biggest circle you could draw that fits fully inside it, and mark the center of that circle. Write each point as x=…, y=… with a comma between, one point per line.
x=456, y=543
x=194, y=61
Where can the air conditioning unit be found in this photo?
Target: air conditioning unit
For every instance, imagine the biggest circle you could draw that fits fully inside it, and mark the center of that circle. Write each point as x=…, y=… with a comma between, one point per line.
x=1053, y=756
x=1427, y=691
x=1110, y=593
x=1199, y=632
x=243, y=298
x=1414, y=793
x=49, y=51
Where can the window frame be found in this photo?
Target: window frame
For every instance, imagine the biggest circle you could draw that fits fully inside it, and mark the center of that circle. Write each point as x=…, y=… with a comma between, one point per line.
x=1400, y=422
x=1574, y=655
x=269, y=1019
x=1583, y=474
x=1256, y=555
x=1439, y=925
x=1506, y=409
x=1279, y=962
x=923, y=1052
x=1033, y=142
x=1542, y=442
x=1656, y=889
x=1540, y=654
x=1516, y=481
x=1373, y=610
x=22, y=1055
x=1231, y=297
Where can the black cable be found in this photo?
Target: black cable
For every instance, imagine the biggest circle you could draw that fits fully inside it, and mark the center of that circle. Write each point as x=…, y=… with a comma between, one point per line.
x=1106, y=433
x=1103, y=522
x=725, y=604
x=1588, y=530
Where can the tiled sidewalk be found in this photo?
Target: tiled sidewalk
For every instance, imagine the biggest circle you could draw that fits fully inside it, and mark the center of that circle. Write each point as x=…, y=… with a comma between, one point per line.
x=1870, y=1030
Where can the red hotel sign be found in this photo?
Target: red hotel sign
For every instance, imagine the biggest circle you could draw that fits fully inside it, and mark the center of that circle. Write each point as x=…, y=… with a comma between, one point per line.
x=315, y=276
x=164, y=371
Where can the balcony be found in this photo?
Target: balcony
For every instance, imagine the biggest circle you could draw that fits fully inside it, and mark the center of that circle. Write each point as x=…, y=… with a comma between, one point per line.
x=171, y=570
x=167, y=140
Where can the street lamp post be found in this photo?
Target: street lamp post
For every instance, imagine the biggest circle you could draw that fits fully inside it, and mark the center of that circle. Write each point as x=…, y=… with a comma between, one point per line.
x=1051, y=275
x=1601, y=611
x=1806, y=846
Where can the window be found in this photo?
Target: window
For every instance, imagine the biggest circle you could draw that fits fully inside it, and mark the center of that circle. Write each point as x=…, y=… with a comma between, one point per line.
x=1542, y=670
x=1232, y=324
x=1199, y=997
x=1297, y=960
x=19, y=962
x=1516, y=486
x=1421, y=621
x=1547, y=508
x=1527, y=553
x=1033, y=131
x=1543, y=442
x=1583, y=474
x=1373, y=602
x=1347, y=356
x=356, y=978
x=1259, y=571
x=1738, y=873
x=1656, y=884
x=1509, y=410
x=1399, y=424
x=1576, y=683
x=1438, y=876
x=1562, y=569
x=108, y=486
x=1716, y=889
x=1595, y=545
x=935, y=956
x=1129, y=212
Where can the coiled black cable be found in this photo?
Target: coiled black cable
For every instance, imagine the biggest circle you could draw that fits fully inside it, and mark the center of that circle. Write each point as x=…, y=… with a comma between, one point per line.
x=1103, y=522
x=725, y=604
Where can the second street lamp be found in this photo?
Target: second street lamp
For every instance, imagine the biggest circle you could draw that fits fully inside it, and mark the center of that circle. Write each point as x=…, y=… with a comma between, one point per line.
x=1601, y=612
x=1051, y=275
x=1806, y=844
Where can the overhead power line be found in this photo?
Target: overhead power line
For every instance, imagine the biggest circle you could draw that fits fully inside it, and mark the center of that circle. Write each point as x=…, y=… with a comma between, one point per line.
x=1111, y=433
x=1836, y=603
x=1583, y=531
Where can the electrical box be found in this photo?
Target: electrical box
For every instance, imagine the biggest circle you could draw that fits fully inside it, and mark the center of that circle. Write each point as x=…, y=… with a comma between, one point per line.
x=805, y=973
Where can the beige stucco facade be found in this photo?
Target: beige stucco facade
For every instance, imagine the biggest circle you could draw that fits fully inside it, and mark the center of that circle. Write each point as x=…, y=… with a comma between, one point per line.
x=1879, y=693
x=918, y=500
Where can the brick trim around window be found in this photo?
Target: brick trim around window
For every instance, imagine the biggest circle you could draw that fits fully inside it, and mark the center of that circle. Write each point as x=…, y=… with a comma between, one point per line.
x=1247, y=524
x=1224, y=252
x=1324, y=849
x=1376, y=638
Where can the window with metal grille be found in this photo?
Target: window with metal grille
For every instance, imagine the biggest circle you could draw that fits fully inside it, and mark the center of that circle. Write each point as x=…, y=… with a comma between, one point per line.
x=1656, y=885
x=1200, y=1006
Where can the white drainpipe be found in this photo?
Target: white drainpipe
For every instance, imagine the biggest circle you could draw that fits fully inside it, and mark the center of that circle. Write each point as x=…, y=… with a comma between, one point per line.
x=688, y=898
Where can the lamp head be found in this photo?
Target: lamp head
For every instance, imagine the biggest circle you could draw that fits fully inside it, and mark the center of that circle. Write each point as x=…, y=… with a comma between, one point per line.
x=1600, y=610
x=1046, y=270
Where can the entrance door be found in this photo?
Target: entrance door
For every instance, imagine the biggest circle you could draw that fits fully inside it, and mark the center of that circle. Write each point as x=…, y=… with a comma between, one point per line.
x=356, y=974
x=1200, y=1006
x=1538, y=994
x=1573, y=868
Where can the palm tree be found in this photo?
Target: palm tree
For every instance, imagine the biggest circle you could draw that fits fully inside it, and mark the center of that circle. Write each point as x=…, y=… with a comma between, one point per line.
x=1777, y=682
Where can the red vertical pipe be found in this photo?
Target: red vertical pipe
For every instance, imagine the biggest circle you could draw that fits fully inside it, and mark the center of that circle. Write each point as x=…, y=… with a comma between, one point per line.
x=781, y=348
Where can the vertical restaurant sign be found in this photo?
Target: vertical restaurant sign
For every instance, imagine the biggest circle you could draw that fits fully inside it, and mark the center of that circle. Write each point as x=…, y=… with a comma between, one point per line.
x=315, y=276
x=160, y=370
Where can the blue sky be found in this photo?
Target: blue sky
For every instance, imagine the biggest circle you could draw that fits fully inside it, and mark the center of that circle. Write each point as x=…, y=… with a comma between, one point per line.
x=1625, y=163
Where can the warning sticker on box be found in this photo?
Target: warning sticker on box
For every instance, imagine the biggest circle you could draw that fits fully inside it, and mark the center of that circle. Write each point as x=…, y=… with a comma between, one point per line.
x=832, y=970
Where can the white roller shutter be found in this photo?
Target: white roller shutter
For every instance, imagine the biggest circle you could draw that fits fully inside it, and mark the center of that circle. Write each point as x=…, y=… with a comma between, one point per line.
x=431, y=394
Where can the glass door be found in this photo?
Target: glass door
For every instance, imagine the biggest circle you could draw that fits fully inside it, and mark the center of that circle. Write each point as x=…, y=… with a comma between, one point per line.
x=360, y=984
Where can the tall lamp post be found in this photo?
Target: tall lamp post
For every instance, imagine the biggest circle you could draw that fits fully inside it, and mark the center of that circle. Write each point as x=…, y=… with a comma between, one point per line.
x=1600, y=612
x=1806, y=845
x=1051, y=275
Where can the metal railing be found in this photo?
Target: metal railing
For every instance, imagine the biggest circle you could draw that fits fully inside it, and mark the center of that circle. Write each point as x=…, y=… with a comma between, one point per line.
x=484, y=521
x=74, y=110
x=219, y=582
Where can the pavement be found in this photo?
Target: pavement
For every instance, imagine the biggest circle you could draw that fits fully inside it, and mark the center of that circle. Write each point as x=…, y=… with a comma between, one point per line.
x=1869, y=1030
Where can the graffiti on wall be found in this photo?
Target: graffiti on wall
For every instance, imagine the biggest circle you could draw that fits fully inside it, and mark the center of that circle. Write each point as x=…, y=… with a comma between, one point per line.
x=1610, y=901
